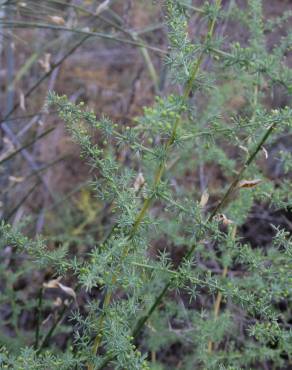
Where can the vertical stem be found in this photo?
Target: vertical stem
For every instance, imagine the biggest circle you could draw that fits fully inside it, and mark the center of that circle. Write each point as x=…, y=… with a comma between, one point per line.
x=10, y=65
x=8, y=12
x=51, y=331
x=219, y=294
x=148, y=61
x=98, y=338
x=161, y=169
x=156, y=303
x=38, y=315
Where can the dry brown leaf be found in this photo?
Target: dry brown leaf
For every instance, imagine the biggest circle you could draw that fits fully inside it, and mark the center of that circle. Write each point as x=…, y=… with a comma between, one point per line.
x=52, y=283
x=151, y=327
x=22, y=101
x=265, y=153
x=9, y=149
x=46, y=320
x=222, y=218
x=16, y=179
x=204, y=199
x=8, y=142
x=57, y=302
x=243, y=148
x=55, y=283
x=60, y=21
x=68, y=291
x=45, y=63
x=102, y=7
x=249, y=183
x=139, y=182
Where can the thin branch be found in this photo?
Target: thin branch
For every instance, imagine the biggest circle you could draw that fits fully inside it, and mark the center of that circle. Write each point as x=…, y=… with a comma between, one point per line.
x=10, y=134
x=38, y=318
x=13, y=154
x=45, y=76
x=20, y=203
x=21, y=24
x=219, y=294
x=52, y=330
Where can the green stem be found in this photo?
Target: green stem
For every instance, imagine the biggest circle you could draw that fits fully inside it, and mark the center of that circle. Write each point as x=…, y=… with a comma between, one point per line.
x=219, y=294
x=38, y=317
x=52, y=330
x=157, y=177
x=161, y=169
x=235, y=182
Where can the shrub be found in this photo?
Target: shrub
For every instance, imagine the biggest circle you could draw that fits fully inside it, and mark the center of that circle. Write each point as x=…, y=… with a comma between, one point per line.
x=173, y=266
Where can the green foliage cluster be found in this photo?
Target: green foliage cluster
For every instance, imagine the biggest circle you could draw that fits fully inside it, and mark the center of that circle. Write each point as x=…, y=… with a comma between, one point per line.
x=220, y=304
